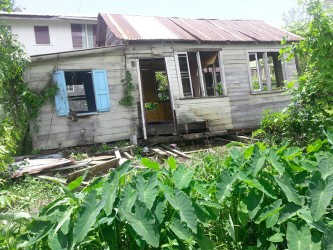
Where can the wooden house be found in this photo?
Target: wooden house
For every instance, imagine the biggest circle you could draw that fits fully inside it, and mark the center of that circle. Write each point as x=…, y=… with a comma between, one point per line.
x=199, y=76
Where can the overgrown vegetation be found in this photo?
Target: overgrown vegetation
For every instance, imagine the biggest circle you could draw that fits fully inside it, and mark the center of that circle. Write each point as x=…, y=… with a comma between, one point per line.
x=311, y=107
x=257, y=197
x=19, y=104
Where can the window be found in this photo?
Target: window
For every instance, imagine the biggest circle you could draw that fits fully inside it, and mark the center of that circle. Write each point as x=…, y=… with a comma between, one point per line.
x=42, y=34
x=266, y=71
x=81, y=92
x=83, y=35
x=201, y=74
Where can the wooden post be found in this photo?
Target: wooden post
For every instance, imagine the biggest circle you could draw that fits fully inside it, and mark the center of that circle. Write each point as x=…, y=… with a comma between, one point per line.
x=141, y=100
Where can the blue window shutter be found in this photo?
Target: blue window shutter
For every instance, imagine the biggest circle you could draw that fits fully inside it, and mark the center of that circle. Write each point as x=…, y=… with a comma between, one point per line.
x=61, y=101
x=101, y=89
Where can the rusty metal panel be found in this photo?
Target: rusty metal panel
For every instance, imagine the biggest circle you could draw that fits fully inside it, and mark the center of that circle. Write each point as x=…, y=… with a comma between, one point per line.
x=146, y=28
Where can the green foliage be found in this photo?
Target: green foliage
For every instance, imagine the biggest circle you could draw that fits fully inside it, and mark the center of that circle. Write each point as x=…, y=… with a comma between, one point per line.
x=255, y=197
x=128, y=87
x=19, y=104
x=311, y=106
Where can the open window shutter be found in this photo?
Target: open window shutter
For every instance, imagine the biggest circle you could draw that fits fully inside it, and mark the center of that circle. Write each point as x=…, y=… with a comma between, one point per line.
x=61, y=101
x=101, y=89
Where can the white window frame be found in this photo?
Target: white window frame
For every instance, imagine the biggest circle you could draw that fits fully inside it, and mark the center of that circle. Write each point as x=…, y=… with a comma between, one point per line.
x=264, y=51
x=201, y=79
x=179, y=74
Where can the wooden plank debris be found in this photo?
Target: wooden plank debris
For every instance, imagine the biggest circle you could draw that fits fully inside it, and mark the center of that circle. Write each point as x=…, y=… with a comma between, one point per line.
x=94, y=170
x=176, y=151
x=160, y=152
x=128, y=156
x=35, y=166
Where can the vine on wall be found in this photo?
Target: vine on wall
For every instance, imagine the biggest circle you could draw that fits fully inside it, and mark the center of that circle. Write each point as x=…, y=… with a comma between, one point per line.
x=128, y=87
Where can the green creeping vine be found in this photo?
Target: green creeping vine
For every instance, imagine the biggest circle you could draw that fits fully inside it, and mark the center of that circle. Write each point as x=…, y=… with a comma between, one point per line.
x=128, y=86
x=264, y=198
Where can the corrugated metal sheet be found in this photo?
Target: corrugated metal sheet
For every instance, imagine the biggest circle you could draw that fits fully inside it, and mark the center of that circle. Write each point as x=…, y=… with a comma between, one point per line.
x=14, y=15
x=130, y=28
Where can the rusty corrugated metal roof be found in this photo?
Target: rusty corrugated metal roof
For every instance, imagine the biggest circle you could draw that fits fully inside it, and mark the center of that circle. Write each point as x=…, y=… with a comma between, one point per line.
x=135, y=28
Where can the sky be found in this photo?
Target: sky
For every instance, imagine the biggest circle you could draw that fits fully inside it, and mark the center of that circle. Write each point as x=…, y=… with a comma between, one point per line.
x=271, y=11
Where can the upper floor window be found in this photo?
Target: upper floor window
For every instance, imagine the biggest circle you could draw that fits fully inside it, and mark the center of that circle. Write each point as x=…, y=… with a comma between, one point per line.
x=42, y=34
x=83, y=35
x=266, y=71
x=201, y=74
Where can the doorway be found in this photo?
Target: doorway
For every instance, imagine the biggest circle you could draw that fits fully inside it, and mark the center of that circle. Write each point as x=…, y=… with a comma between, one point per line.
x=156, y=96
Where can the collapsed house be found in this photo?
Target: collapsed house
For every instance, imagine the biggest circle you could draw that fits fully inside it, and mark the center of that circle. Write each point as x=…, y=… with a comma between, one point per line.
x=199, y=76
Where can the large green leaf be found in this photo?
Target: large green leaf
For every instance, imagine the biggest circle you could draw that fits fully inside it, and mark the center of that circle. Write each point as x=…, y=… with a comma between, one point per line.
x=180, y=229
x=182, y=203
x=321, y=193
x=182, y=176
x=88, y=213
x=159, y=209
x=224, y=184
x=298, y=239
x=270, y=211
x=147, y=189
x=109, y=193
x=150, y=164
x=257, y=160
x=59, y=242
x=253, y=202
x=63, y=221
x=288, y=211
x=172, y=162
x=203, y=241
x=143, y=223
x=290, y=192
x=127, y=200
x=329, y=135
x=273, y=158
x=256, y=183
x=325, y=166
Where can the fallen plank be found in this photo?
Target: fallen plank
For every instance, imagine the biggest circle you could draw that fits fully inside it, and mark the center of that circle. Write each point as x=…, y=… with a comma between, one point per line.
x=111, y=151
x=171, y=153
x=195, y=151
x=128, y=156
x=94, y=170
x=59, y=180
x=160, y=152
x=176, y=151
x=241, y=138
x=78, y=164
x=35, y=166
x=117, y=154
x=103, y=157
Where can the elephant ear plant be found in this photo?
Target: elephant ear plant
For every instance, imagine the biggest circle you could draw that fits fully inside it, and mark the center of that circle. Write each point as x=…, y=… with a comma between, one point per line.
x=158, y=207
x=263, y=198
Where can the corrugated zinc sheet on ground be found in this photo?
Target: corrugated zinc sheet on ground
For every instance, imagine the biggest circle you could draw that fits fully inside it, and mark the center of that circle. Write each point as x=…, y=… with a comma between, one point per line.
x=131, y=28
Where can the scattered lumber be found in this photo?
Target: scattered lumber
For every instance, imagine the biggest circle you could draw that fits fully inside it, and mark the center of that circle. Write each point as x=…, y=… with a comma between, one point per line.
x=34, y=166
x=51, y=178
x=242, y=138
x=160, y=152
x=128, y=156
x=195, y=151
x=176, y=151
x=171, y=153
x=77, y=164
x=94, y=170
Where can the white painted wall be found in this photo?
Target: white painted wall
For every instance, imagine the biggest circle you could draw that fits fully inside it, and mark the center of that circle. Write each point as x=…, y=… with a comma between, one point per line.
x=59, y=30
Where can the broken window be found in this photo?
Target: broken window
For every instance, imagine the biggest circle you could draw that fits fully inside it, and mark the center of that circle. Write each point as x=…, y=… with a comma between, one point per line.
x=200, y=73
x=162, y=83
x=83, y=35
x=81, y=92
x=42, y=35
x=266, y=71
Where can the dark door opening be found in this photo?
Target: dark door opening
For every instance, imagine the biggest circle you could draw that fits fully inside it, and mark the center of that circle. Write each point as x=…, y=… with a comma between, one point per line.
x=156, y=96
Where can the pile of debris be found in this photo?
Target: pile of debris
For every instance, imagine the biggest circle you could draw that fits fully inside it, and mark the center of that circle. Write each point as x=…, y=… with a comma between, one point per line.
x=47, y=166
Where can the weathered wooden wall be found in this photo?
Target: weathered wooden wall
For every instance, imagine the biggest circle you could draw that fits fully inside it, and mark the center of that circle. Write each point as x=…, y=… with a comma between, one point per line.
x=239, y=109
x=51, y=131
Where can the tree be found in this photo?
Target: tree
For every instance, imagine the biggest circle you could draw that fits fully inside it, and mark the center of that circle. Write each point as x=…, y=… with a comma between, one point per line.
x=311, y=107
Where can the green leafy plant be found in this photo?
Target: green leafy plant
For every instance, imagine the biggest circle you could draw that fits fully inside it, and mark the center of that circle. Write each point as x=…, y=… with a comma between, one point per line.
x=128, y=87
x=150, y=106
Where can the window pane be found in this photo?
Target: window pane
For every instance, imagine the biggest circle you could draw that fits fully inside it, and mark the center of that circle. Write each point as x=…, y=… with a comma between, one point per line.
x=185, y=75
x=42, y=34
x=78, y=36
x=255, y=73
x=276, y=72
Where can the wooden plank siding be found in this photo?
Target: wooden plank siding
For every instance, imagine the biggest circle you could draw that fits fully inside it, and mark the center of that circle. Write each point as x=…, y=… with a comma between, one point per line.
x=51, y=131
x=239, y=109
